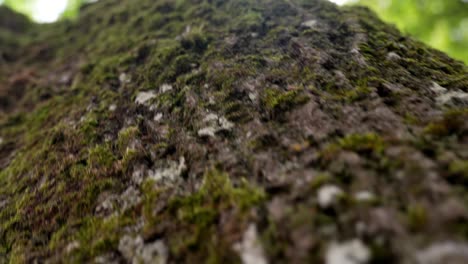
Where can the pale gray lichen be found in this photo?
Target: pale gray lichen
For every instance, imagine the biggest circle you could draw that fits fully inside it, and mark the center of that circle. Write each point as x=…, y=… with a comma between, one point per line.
x=144, y=97
x=214, y=124
x=138, y=175
x=109, y=258
x=445, y=97
x=165, y=88
x=443, y=252
x=364, y=196
x=349, y=252
x=135, y=251
x=169, y=174
x=124, y=78
x=129, y=198
x=114, y=204
x=157, y=117
x=453, y=98
x=250, y=248
x=328, y=195
x=72, y=246
x=106, y=207
x=310, y=23
x=393, y=56
x=436, y=88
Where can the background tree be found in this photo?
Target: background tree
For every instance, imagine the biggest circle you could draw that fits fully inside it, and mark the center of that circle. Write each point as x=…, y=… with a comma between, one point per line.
x=227, y=131
x=442, y=24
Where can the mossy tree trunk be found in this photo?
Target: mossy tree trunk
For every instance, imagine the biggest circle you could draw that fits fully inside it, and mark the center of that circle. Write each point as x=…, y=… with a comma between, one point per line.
x=194, y=131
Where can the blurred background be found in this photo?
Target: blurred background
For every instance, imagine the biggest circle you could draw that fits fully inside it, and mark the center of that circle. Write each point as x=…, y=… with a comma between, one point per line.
x=443, y=24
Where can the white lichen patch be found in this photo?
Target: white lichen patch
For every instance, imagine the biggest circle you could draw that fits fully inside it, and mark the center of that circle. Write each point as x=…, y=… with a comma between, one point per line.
x=252, y=96
x=453, y=98
x=144, y=97
x=436, y=88
x=250, y=248
x=106, y=207
x=207, y=132
x=157, y=117
x=214, y=124
x=3, y=203
x=445, y=97
x=72, y=246
x=138, y=175
x=134, y=250
x=169, y=174
x=364, y=196
x=114, y=204
x=328, y=195
x=129, y=198
x=349, y=252
x=108, y=258
x=112, y=107
x=310, y=23
x=392, y=56
x=124, y=78
x=443, y=252
x=165, y=88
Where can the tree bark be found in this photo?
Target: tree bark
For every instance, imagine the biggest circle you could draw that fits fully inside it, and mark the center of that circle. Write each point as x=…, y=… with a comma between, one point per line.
x=195, y=131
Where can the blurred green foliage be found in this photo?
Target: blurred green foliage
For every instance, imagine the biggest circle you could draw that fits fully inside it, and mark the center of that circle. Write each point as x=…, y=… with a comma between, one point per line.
x=443, y=24
x=27, y=6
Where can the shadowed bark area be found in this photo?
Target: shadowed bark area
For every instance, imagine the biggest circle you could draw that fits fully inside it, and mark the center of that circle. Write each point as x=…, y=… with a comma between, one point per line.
x=194, y=131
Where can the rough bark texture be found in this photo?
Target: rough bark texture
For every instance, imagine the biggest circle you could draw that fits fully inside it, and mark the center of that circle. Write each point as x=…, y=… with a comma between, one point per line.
x=196, y=131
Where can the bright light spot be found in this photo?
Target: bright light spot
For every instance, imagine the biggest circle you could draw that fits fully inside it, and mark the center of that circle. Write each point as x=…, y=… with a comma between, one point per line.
x=339, y=2
x=47, y=11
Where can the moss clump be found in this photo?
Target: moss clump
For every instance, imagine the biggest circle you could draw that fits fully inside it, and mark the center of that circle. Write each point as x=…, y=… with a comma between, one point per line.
x=196, y=40
x=458, y=170
x=276, y=101
x=357, y=94
x=417, y=217
x=215, y=195
x=200, y=213
x=251, y=21
x=363, y=143
x=452, y=123
x=101, y=157
x=126, y=136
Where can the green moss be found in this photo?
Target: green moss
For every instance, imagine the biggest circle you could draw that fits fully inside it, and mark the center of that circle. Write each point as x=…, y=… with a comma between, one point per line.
x=358, y=93
x=89, y=128
x=195, y=40
x=363, y=143
x=458, y=170
x=276, y=101
x=218, y=191
x=411, y=119
x=417, y=217
x=251, y=21
x=126, y=136
x=320, y=180
x=200, y=212
x=452, y=123
x=236, y=111
x=100, y=156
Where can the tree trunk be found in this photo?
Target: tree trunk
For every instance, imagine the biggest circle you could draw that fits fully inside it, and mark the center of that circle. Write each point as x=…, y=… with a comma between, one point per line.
x=254, y=131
